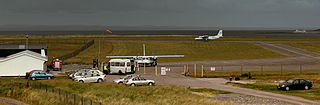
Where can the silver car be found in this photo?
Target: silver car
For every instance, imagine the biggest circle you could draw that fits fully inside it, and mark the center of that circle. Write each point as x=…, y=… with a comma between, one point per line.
x=139, y=81
x=91, y=78
x=85, y=72
x=121, y=80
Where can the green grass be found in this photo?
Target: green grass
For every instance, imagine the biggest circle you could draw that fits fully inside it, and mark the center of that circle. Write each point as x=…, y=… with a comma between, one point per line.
x=193, y=50
x=266, y=81
x=173, y=44
x=109, y=93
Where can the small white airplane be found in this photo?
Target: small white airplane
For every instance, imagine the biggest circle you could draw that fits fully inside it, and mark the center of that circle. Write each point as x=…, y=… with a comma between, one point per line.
x=207, y=37
x=147, y=60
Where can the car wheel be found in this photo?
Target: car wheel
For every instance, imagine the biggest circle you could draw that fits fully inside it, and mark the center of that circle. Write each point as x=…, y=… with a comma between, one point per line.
x=287, y=88
x=33, y=79
x=150, y=84
x=132, y=84
x=99, y=80
x=306, y=87
x=49, y=77
x=120, y=83
x=81, y=81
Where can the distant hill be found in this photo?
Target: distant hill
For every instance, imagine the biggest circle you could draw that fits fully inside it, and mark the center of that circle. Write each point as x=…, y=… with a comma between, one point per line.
x=317, y=30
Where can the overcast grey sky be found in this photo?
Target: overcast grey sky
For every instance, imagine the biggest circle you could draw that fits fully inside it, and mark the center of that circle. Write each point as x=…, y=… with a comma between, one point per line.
x=207, y=13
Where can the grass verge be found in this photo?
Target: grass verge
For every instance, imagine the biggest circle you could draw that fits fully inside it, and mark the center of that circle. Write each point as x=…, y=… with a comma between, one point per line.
x=107, y=93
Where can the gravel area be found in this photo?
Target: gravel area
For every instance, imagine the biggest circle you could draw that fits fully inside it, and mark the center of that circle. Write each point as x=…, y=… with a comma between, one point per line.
x=245, y=99
x=9, y=101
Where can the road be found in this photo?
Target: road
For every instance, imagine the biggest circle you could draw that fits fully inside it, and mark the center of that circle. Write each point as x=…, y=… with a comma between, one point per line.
x=9, y=101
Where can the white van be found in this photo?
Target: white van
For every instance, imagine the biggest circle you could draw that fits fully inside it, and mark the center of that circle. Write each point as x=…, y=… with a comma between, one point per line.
x=121, y=66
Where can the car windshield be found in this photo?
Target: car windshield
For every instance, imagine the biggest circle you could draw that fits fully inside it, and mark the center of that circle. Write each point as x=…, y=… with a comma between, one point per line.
x=290, y=81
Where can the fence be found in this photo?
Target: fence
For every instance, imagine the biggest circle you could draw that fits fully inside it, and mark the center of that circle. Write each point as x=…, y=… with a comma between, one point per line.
x=203, y=69
x=74, y=53
x=66, y=97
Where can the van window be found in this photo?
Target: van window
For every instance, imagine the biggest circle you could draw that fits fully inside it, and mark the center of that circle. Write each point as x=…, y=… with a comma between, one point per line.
x=116, y=63
x=122, y=64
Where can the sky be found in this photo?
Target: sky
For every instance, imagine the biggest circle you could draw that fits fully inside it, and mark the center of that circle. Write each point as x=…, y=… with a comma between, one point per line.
x=203, y=13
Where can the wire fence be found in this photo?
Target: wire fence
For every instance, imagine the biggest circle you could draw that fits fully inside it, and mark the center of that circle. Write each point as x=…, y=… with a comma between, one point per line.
x=65, y=97
x=203, y=69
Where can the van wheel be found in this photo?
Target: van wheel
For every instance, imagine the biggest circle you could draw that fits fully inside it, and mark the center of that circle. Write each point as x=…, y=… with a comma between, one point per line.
x=120, y=72
x=49, y=77
x=306, y=87
x=287, y=88
x=132, y=84
x=150, y=84
x=99, y=80
x=33, y=79
x=81, y=81
x=120, y=83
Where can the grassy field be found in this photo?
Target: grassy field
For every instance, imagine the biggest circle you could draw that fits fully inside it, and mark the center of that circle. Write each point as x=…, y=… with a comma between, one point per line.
x=156, y=45
x=193, y=51
x=266, y=81
x=308, y=46
x=112, y=94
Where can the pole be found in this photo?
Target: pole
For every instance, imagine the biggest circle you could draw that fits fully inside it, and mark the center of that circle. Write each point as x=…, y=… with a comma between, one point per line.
x=27, y=41
x=195, y=70
x=144, y=68
x=202, y=69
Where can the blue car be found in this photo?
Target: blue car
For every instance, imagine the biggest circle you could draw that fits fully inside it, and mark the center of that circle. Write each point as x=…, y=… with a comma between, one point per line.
x=38, y=74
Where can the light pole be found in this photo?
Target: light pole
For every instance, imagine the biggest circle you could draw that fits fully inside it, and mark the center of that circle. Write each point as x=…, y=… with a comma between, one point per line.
x=27, y=41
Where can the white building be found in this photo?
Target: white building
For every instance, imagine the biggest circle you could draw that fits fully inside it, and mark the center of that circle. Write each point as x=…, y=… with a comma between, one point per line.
x=19, y=63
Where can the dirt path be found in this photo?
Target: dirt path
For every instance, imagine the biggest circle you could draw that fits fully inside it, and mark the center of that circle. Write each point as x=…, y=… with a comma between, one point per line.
x=9, y=101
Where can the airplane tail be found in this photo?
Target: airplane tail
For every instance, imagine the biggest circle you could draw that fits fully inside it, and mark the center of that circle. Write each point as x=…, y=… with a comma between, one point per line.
x=220, y=33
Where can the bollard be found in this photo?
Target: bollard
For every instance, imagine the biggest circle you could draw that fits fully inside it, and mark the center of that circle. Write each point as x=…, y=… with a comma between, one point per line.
x=202, y=69
x=195, y=70
x=184, y=69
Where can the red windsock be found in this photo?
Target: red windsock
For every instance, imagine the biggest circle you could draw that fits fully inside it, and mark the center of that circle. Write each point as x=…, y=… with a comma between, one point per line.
x=108, y=31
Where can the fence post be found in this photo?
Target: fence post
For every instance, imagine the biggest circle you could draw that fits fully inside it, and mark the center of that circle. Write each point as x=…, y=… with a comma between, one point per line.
x=82, y=100
x=138, y=68
x=156, y=70
x=184, y=69
x=202, y=69
x=74, y=99
x=187, y=68
x=195, y=70
x=90, y=102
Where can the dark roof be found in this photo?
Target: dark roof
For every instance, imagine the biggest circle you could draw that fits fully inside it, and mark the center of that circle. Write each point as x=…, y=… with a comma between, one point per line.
x=21, y=46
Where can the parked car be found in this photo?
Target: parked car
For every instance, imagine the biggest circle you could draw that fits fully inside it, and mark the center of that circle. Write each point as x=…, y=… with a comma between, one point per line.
x=84, y=72
x=295, y=83
x=91, y=78
x=121, y=80
x=39, y=74
x=139, y=81
x=28, y=74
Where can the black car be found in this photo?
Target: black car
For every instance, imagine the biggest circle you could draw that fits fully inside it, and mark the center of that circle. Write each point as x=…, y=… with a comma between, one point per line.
x=296, y=83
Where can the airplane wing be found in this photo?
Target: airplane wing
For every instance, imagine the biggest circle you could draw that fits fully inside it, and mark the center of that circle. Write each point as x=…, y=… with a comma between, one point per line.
x=168, y=56
x=121, y=56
